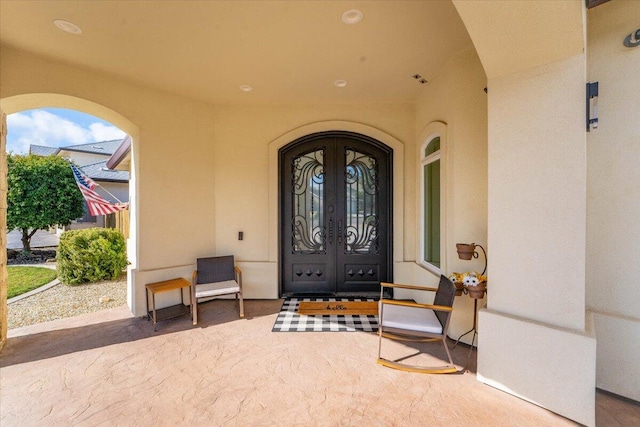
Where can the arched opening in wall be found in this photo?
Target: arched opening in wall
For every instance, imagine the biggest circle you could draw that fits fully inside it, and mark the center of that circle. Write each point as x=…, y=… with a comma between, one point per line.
x=36, y=141
x=94, y=153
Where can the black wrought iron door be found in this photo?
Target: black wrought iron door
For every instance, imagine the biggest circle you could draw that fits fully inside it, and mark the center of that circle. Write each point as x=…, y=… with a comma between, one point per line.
x=335, y=215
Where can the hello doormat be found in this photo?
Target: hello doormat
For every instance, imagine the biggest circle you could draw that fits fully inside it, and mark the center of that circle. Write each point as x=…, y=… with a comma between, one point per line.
x=290, y=320
x=327, y=308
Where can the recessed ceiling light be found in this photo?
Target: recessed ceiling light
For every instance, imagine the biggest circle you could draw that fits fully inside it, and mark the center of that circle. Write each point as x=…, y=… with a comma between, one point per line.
x=352, y=16
x=340, y=83
x=67, y=26
x=246, y=88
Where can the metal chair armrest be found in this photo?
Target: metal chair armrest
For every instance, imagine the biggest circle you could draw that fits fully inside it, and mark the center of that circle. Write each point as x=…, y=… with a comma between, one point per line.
x=412, y=287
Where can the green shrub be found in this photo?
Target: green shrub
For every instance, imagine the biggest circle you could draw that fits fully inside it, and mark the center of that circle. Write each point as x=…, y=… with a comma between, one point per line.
x=91, y=255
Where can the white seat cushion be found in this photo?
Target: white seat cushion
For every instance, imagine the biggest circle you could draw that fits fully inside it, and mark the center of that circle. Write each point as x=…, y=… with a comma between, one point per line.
x=204, y=290
x=410, y=318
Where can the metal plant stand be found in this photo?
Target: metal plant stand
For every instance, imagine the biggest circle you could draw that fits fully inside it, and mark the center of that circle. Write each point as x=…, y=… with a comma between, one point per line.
x=474, y=329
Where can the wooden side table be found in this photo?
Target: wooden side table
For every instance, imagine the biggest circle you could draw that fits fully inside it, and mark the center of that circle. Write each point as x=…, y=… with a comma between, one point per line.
x=167, y=312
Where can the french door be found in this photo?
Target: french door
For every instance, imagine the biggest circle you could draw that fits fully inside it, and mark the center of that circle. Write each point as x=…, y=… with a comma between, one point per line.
x=335, y=215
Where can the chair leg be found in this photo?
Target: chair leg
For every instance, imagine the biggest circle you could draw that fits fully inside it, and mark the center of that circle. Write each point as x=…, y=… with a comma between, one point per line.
x=241, y=302
x=446, y=348
x=380, y=308
x=194, y=303
x=379, y=342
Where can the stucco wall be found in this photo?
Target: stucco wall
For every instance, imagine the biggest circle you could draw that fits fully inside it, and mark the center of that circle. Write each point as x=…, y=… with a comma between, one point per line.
x=613, y=202
x=457, y=100
x=201, y=173
x=537, y=222
x=246, y=175
x=537, y=143
x=536, y=204
x=173, y=149
x=241, y=162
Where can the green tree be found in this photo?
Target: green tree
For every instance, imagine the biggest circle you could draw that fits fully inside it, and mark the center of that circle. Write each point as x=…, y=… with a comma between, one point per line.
x=41, y=193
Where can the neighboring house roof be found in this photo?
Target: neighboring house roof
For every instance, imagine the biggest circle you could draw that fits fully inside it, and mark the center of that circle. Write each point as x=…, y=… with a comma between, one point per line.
x=41, y=150
x=100, y=172
x=106, y=148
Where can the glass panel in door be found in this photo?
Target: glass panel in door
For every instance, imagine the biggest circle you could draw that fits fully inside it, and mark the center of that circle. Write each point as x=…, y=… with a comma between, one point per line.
x=308, y=188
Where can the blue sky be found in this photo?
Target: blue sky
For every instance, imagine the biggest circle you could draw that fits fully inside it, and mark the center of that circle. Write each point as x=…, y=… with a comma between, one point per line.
x=56, y=127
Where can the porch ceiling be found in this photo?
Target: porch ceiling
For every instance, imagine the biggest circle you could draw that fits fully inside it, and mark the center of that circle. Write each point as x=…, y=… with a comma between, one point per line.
x=291, y=52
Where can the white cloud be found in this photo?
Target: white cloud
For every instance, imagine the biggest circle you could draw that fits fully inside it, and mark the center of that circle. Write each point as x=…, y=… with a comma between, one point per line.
x=102, y=132
x=43, y=128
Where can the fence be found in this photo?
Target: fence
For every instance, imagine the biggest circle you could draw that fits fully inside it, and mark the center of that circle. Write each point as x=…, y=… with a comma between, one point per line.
x=118, y=220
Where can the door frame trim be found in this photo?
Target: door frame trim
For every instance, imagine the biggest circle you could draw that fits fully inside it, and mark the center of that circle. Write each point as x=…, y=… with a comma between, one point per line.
x=398, y=160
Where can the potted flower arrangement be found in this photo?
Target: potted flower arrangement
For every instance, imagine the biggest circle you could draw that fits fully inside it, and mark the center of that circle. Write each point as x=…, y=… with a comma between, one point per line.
x=473, y=283
x=456, y=279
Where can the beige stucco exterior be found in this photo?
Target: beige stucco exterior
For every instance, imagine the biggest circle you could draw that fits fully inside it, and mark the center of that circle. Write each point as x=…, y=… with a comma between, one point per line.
x=538, y=237
x=537, y=142
x=522, y=178
x=455, y=107
x=613, y=197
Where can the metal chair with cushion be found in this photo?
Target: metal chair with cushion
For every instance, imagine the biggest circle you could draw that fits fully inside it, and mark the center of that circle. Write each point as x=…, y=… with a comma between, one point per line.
x=214, y=277
x=410, y=321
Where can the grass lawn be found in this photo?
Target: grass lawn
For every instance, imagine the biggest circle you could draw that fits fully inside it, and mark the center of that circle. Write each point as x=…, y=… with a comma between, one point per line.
x=24, y=279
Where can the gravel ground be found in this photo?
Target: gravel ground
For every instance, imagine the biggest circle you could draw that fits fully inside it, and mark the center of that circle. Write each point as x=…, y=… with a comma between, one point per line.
x=63, y=301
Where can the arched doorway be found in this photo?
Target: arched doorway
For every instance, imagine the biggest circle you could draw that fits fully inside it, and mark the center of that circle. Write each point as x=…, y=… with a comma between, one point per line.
x=17, y=103
x=335, y=215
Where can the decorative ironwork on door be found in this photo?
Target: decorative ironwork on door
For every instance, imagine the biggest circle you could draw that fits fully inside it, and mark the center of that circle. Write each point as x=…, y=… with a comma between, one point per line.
x=361, y=181
x=307, y=187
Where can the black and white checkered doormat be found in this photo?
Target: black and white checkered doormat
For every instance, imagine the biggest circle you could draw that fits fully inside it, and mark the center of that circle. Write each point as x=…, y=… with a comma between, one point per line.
x=290, y=321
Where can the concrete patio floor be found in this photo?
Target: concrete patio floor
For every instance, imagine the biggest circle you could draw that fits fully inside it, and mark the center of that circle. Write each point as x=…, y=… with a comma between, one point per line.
x=108, y=368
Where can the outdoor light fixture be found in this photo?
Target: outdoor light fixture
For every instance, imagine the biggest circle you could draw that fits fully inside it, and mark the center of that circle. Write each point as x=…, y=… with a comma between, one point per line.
x=466, y=251
x=592, y=106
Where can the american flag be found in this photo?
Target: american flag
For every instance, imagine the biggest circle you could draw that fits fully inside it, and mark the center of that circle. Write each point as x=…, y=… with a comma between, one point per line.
x=97, y=204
